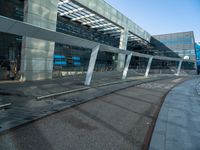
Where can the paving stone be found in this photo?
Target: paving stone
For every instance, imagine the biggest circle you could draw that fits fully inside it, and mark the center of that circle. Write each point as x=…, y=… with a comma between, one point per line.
x=181, y=108
x=108, y=121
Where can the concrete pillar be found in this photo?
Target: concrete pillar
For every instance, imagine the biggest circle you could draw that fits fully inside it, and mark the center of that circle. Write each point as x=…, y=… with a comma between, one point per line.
x=37, y=55
x=179, y=68
x=128, y=60
x=92, y=63
x=122, y=45
x=148, y=67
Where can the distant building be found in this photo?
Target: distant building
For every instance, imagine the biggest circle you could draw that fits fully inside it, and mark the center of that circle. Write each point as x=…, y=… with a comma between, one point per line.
x=180, y=44
x=198, y=55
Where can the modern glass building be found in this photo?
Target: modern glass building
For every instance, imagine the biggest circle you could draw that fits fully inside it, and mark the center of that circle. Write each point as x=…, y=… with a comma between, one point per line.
x=72, y=18
x=181, y=44
x=94, y=20
x=176, y=44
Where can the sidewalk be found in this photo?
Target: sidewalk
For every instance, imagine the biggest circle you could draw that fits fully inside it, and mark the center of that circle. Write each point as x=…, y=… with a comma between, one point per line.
x=198, y=87
x=177, y=126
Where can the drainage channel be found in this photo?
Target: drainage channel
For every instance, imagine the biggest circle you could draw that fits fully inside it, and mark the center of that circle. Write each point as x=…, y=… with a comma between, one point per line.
x=3, y=106
x=82, y=89
x=62, y=93
x=100, y=85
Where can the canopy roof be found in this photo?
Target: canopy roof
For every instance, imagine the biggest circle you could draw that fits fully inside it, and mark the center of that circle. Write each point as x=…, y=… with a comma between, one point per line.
x=99, y=15
x=12, y=26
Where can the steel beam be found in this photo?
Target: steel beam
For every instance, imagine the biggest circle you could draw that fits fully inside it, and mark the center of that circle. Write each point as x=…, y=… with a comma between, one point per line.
x=64, y=2
x=92, y=62
x=12, y=26
x=113, y=31
x=148, y=66
x=83, y=17
x=128, y=60
x=2, y=106
x=108, y=29
x=71, y=11
x=102, y=8
x=179, y=68
x=116, y=35
x=91, y=22
x=102, y=25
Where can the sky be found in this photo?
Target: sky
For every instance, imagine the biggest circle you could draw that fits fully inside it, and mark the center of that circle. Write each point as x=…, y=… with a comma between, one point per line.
x=162, y=16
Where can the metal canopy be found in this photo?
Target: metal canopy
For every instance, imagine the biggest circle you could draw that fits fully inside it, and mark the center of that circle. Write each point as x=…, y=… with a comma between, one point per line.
x=75, y=12
x=12, y=26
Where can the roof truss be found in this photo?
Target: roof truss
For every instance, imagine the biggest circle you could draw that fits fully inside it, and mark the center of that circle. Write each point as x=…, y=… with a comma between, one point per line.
x=75, y=12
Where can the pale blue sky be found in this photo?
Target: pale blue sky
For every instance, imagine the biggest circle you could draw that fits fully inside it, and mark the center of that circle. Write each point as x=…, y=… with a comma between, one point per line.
x=162, y=16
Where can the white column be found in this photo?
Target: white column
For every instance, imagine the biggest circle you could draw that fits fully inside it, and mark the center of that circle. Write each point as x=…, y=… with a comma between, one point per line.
x=37, y=55
x=91, y=66
x=179, y=68
x=128, y=60
x=148, y=66
x=122, y=45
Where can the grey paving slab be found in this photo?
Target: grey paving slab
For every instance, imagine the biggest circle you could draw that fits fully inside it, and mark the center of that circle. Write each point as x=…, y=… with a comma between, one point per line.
x=25, y=107
x=140, y=95
x=178, y=122
x=132, y=105
x=109, y=121
x=198, y=88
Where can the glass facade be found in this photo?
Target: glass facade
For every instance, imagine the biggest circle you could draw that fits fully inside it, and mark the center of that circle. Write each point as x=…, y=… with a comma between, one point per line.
x=10, y=45
x=77, y=58
x=12, y=9
x=198, y=53
x=65, y=25
x=70, y=58
x=66, y=57
x=180, y=45
x=176, y=44
x=176, y=41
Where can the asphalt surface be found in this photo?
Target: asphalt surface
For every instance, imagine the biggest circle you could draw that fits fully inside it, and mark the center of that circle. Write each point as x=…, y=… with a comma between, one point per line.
x=25, y=106
x=177, y=126
x=117, y=121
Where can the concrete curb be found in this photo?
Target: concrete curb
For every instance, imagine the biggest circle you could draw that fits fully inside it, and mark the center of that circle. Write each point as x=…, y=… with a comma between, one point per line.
x=198, y=88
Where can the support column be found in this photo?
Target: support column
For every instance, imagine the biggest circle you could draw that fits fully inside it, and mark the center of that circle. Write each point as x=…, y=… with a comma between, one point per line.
x=179, y=68
x=37, y=55
x=128, y=60
x=91, y=66
x=148, y=67
x=122, y=45
x=195, y=66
